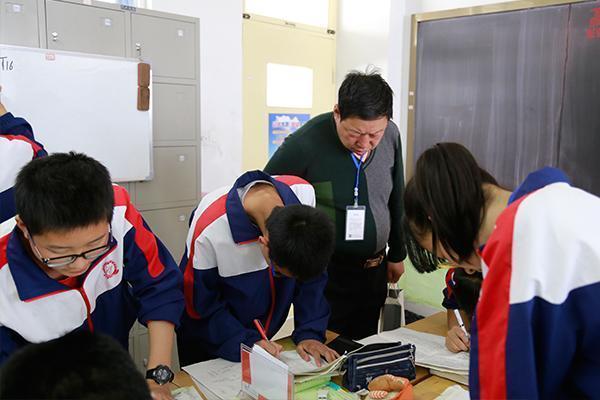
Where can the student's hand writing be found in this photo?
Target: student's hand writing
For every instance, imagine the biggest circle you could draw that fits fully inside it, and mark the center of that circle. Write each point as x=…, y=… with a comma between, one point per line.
x=271, y=347
x=317, y=350
x=456, y=340
x=159, y=392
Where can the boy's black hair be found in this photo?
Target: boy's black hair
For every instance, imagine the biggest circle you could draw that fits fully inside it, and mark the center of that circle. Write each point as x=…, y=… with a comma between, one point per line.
x=80, y=365
x=301, y=240
x=365, y=95
x=445, y=198
x=63, y=191
x=466, y=290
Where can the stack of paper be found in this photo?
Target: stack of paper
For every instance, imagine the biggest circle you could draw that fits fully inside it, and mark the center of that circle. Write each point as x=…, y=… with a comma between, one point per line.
x=217, y=379
x=431, y=352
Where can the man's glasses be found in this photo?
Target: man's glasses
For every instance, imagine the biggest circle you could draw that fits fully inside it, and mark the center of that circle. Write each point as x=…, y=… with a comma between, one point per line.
x=90, y=255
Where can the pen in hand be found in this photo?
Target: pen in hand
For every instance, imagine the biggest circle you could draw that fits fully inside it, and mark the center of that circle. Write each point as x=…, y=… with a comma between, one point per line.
x=460, y=322
x=271, y=347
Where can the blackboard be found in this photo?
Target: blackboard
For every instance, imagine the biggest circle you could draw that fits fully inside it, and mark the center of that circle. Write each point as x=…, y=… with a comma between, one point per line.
x=81, y=102
x=517, y=88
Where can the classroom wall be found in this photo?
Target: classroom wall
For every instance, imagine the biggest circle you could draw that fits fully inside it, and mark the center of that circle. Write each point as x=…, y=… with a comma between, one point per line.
x=220, y=85
x=362, y=36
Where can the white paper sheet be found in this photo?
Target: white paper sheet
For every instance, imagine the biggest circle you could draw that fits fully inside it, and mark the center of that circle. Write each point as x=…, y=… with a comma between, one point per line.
x=221, y=377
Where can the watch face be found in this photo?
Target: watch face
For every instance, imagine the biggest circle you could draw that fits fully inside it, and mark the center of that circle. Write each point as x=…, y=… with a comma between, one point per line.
x=162, y=374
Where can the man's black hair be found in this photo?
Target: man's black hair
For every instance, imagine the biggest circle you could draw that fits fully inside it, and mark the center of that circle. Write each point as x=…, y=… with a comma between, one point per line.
x=445, y=198
x=63, y=191
x=301, y=240
x=80, y=365
x=365, y=95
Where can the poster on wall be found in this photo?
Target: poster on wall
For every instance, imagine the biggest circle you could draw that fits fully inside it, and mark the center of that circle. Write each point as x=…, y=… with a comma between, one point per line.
x=281, y=125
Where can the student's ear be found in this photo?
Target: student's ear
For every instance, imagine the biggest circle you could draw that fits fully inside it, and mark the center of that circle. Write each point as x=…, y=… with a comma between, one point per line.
x=21, y=225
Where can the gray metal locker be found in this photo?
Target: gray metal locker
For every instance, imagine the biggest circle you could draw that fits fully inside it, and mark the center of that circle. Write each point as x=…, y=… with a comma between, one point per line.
x=168, y=44
x=19, y=23
x=171, y=226
x=174, y=182
x=77, y=27
x=175, y=111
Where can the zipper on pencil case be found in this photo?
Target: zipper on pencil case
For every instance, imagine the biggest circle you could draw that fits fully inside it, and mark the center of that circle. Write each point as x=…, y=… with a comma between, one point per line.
x=386, y=363
x=378, y=350
x=362, y=360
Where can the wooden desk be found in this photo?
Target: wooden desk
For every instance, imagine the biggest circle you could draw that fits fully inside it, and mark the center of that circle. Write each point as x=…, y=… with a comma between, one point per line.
x=426, y=386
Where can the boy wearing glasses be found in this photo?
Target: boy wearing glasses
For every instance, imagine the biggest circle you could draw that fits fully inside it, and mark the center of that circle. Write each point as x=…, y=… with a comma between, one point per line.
x=82, y=257
x=252, y=251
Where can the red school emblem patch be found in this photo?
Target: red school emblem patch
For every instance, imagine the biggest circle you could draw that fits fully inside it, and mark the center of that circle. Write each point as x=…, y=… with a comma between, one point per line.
x=110, y=269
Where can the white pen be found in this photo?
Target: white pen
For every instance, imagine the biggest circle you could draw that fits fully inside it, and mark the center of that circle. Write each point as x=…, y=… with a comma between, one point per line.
x=460, y=321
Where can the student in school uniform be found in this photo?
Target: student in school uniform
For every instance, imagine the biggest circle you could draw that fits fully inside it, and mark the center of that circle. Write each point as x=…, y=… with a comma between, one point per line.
x=536, y=328
x=82, y=257
x=460, y=294
x=17, y=147
x=253, y=250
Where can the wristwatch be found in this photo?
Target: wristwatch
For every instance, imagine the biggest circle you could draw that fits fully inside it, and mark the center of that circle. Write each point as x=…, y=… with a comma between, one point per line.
x=161, y=374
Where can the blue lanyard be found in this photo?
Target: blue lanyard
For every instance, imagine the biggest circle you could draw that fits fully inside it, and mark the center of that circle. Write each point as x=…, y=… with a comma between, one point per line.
x=357, y=162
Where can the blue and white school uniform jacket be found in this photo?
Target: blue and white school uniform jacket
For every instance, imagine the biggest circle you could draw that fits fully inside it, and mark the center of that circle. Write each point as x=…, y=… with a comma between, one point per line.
x=536, y=333
x=17, y=148
x=136, y=278
x=227, y=282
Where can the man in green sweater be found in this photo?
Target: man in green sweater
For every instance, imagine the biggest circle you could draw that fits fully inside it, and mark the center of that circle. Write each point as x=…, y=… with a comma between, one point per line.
x=353, y=158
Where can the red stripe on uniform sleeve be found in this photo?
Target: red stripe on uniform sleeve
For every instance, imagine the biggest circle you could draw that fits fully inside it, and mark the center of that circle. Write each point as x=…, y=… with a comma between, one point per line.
x=291, y=180
x=493, y=307
x=3, y=245
x=121, y=196
x=212, y=212
x=36, y=147
x=449, y=277
x=144, y=238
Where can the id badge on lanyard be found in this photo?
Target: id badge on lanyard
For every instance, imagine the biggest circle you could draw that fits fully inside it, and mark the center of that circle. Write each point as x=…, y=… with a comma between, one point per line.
x=355, y=214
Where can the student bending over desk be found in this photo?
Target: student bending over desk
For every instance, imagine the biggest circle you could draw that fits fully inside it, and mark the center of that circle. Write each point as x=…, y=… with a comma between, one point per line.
x=253, y=250
x=536, y=331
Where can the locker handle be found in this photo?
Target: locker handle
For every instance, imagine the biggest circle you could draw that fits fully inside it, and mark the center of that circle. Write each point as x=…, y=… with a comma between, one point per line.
x=54, y=36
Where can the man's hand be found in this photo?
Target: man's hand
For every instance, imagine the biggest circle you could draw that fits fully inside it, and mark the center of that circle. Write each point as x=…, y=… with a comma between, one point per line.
x=159, y=392
x=394, y=271
x=456, y=340
x=311, y=347
x=271, y=347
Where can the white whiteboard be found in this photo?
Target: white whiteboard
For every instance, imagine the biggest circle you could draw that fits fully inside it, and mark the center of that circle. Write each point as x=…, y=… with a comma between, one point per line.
x=80, y=102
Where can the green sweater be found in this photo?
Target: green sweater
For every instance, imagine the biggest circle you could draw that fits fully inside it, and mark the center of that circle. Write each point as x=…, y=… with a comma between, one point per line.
x=315, y=153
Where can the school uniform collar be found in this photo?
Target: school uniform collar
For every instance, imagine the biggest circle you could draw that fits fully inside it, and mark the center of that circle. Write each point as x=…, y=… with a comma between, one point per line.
x=242, y=229
x=31, y=281
x=537, y=180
